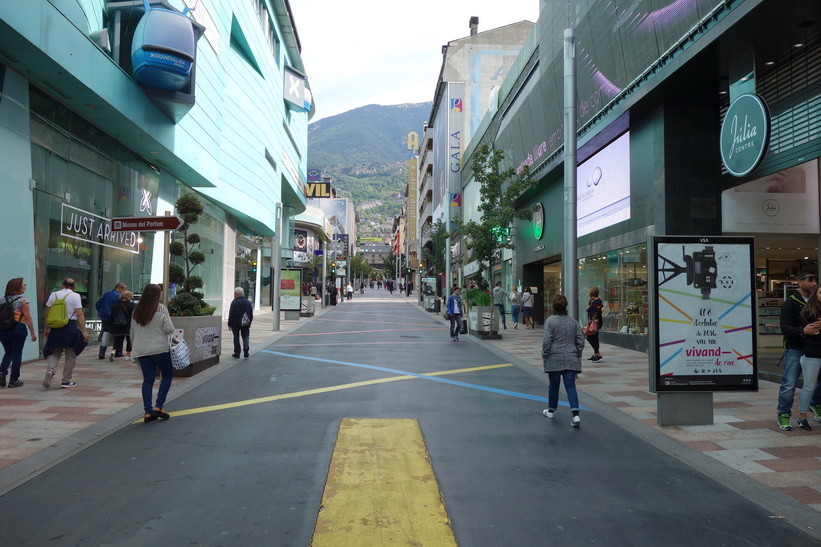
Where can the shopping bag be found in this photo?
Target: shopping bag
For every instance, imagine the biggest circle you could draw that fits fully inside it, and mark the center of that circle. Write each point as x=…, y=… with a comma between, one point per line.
x=464, y=329
x=180, y=355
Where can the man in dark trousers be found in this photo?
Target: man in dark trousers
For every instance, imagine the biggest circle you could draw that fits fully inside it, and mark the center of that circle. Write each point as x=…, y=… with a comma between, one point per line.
x=793, y=329
x=240, y=316
x=103, y=306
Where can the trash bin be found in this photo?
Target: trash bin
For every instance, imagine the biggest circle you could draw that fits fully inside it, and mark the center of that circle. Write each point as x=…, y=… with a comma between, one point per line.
x=429, y=302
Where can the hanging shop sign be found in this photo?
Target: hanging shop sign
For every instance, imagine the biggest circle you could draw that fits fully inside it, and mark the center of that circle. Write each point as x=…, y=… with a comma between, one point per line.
x=704, y=338
x=96, y=230
x=745, y=134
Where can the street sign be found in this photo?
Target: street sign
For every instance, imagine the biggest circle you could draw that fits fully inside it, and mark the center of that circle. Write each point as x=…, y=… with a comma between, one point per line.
x=146, y=224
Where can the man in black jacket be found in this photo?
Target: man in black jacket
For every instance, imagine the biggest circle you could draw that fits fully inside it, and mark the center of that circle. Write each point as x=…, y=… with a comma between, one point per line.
x=793, y=329
x=240, y=316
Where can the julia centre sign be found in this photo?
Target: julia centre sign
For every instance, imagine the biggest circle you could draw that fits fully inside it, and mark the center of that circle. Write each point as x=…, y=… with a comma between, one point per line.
x=745, y=134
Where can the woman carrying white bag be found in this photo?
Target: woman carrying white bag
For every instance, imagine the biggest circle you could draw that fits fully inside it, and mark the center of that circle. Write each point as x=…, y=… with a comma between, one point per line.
x=150, y=327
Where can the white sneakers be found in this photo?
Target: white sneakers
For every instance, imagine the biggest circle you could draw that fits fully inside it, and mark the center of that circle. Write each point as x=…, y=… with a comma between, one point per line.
x=575, y=422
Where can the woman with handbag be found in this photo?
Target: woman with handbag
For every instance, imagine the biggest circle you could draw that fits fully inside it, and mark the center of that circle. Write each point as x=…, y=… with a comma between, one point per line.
x=455, y=309
x=562, y=346
x=14, y=338
x=527, y=308
x=150, y=327
x=594, y=323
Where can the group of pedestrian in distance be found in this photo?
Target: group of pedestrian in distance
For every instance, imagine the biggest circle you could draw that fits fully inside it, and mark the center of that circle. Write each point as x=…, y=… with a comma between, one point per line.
x=562, y=342
x=138, y=331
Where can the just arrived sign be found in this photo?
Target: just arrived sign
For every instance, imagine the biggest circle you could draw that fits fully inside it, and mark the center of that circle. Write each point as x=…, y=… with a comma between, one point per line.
x=745, y=134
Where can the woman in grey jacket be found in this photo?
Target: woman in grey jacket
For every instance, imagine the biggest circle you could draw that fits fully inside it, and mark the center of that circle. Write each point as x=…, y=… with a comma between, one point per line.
x=150, y=327
x=562, y=347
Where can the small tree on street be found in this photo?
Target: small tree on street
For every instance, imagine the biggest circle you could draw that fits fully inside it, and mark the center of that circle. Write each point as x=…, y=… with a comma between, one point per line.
x=498, y=190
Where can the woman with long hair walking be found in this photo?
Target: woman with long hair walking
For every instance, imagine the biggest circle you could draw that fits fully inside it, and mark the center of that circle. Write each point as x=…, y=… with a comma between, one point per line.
x=150, y=327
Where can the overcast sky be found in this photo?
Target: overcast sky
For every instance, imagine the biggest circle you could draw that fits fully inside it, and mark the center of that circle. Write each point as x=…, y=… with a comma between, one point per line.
x=362, y=52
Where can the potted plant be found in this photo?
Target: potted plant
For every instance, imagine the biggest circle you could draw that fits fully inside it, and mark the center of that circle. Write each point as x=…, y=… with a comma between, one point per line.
x=189, y=312
x=481, y=319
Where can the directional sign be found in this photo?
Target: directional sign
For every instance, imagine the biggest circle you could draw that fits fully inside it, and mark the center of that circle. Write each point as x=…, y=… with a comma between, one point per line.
x=146, y=224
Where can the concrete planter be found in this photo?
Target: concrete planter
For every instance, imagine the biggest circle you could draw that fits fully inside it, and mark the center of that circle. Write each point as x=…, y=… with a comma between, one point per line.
x=307, y=306
x=479, y=322
x=202, y=334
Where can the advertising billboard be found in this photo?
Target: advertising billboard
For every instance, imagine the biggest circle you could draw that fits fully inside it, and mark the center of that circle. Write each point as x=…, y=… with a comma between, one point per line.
x=603, y=187
x=703, y=312
x=290, y=289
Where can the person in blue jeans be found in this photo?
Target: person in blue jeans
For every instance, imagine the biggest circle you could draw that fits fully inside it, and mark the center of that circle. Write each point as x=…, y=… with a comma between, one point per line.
x=793, y=329
x=562, y=346
x=14, y=339
x=499, y=297
x=150, y=327
x=455, y=309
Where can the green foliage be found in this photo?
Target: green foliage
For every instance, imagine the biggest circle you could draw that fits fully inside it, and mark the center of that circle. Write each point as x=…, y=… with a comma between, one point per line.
x=498, y=191
x=389, y=266
x=196, y=258
x=478, y=297
x=435, y=256
x=176, y=274
x=187, y=301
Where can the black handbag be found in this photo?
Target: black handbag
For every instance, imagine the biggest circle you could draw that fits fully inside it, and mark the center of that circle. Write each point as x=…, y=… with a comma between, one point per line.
x=464, y=329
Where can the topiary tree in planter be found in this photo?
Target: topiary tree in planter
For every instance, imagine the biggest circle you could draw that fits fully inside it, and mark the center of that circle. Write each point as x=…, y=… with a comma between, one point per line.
x=188, y=300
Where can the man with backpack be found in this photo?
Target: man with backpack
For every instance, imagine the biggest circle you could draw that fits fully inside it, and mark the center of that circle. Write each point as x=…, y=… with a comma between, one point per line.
x=104, y=305
x=65, y=332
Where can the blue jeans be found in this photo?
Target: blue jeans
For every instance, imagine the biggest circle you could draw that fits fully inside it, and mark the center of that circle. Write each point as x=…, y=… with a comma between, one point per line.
x=149, y=365
x=13, y=341
x=569, y=378
x=514, y=312
x=809, y=368
x=792, y=370
x=455, y=325
x=501, y=308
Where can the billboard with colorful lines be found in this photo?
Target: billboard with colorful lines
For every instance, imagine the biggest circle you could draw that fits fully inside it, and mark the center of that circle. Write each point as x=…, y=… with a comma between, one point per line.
x=703, y=290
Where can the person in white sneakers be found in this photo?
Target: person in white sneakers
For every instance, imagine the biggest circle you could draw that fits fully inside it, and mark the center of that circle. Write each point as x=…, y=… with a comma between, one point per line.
x=562, y=346
x=70, y=339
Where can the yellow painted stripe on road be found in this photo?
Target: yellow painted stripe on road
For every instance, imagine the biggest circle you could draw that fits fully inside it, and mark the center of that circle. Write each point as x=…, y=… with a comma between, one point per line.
x=328, y=389
x=381, y=489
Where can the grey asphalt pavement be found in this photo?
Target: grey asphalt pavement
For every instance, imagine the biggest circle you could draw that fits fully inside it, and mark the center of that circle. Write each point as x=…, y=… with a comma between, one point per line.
x=244, y=459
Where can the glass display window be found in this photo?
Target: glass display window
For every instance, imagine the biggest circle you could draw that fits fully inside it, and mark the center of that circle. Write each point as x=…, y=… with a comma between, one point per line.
x=620, y=276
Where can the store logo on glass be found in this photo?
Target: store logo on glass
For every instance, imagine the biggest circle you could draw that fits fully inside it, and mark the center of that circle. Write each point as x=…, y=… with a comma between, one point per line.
x=770, y=207
x=745, y=134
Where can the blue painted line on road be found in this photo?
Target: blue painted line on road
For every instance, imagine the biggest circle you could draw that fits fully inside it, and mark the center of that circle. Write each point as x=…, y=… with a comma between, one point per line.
x=421, y=376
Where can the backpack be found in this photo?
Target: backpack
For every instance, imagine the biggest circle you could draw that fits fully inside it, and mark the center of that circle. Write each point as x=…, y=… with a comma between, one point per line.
x=57, y=317
x=118, y=315
x=8, y=319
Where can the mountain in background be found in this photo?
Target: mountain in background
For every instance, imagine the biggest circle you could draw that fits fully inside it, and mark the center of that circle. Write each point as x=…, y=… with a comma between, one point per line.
x=365, y=152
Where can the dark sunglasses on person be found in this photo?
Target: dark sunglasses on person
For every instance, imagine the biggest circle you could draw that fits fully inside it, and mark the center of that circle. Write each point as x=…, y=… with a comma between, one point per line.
x=809, y=278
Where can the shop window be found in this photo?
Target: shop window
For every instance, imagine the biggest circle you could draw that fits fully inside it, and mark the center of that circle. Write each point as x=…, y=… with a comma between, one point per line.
x=621, y=277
